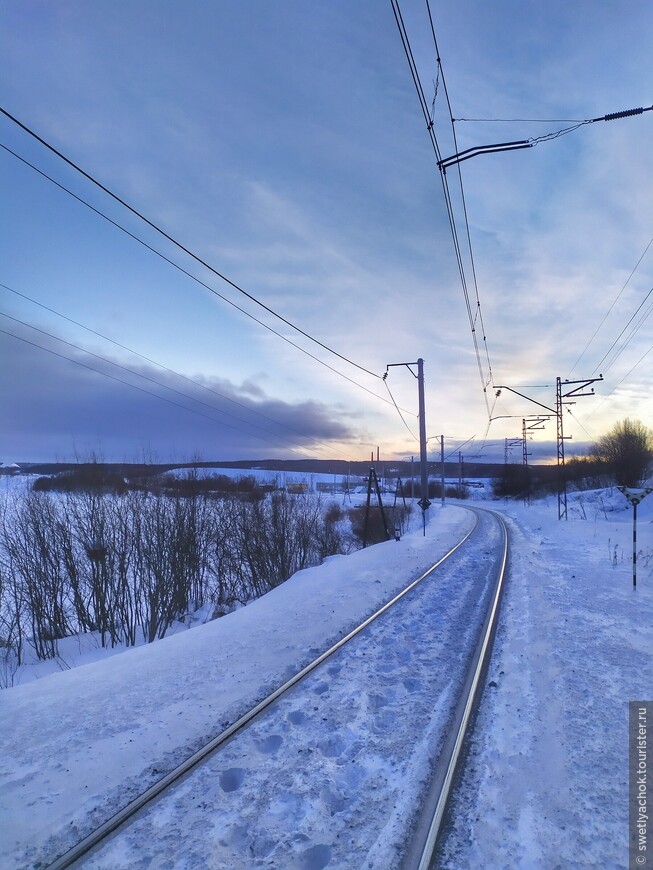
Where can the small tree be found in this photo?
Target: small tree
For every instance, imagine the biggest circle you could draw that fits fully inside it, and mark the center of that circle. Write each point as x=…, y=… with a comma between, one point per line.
x=626, y=452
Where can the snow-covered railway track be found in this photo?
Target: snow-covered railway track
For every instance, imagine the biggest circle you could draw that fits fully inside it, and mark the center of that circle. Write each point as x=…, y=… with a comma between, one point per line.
x=421, y=852
x=369, y=739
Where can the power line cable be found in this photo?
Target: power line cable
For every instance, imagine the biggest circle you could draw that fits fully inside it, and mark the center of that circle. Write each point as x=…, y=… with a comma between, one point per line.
x=163, y=367
x=399, y=412
x=460, y=156
x=632, y=334
x=267, y=437
x=190, y=274
x=609, y=311
x=619, y=383
x=447, y=196
x=629, y=373
x=589, y=435
x=128, y=384
x=463, y=200
x=459, y=448
x=462, y=192
x=179, y=245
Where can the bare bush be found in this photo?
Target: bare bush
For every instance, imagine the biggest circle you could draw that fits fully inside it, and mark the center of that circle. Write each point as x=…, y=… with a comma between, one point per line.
x=126, y=566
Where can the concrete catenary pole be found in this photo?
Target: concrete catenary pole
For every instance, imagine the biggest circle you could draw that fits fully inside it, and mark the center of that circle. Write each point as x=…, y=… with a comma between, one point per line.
x=422, y=439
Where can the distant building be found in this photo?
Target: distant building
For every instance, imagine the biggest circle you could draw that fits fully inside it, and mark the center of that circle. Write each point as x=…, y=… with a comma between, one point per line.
x=10, y=469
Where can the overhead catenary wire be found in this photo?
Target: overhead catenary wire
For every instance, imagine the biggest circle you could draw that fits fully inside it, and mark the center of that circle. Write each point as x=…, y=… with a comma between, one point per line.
x=609, y=311
x=589, y=434
x=180, y=246
x=630, y=371
x=190, y=275
x=163, y=367
x=125, y=383
x=619, y=383
x=399, y=412
x=269, y=436
x=447, y=196
x=479, y=312
x=460, y=156
x=628, y=339
x=459, y=448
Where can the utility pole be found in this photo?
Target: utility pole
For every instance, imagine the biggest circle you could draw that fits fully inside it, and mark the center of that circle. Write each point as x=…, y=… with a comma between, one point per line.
x=442, y=469
x=564, y=392
x=412, y=479
x=424, y=502
x=528, y=425
x=509, y=444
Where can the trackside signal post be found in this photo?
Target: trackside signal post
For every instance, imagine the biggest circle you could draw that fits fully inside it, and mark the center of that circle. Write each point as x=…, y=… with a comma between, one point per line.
x=424, y=502
x=634, y=496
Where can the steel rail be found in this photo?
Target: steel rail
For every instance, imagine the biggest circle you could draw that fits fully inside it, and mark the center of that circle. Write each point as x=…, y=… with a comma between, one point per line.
x=78, y=851
x=443, y=777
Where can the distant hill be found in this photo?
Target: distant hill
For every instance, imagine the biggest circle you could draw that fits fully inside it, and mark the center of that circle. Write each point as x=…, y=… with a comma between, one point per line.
x=338, y=467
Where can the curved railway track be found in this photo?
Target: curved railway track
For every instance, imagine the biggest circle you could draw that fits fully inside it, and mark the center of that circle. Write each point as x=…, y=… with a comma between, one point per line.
x=366, y=646
x=424, y=850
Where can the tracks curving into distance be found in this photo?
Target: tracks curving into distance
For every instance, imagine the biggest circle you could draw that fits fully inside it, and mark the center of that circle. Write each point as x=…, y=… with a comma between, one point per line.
x=423, y=830
x=423, y=852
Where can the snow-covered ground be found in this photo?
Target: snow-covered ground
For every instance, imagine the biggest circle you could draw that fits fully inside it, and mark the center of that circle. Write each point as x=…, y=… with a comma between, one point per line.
x=544, y=785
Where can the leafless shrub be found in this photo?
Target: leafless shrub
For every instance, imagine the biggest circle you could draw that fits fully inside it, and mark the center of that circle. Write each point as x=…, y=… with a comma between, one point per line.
x=129, y=565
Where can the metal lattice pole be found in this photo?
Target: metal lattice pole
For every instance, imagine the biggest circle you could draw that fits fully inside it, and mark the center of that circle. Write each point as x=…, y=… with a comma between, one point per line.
x=562, y=481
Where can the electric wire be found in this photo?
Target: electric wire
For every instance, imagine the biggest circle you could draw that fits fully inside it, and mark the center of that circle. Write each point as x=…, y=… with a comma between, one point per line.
x=399, y=412
x=164, y=367
x=532, y=141
x=633, y=332
x=619, y=383
x=190, y=274
x=459, y=448
x=628, y=373
x=460, y=156
x=479, y=312
x=589, y=434
x=180, y=246
x=627, y=341
x=609, y=311
x=447, y=196
x=125, y=383
x=267, y=437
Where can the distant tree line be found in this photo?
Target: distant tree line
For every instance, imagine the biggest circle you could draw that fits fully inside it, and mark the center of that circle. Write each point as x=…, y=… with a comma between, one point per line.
x=100, y=478
x=623, y=456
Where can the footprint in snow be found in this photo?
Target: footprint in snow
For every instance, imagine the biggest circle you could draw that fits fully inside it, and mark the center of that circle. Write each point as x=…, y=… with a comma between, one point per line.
x=270, y=744
x=315, y=858
x=232, y=779
x=412, y=685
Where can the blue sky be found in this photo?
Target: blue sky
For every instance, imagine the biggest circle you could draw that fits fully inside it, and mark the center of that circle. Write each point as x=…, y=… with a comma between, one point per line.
x=282, y=142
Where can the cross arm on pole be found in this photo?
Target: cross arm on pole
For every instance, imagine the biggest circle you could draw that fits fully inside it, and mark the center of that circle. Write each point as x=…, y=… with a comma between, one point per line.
x=578, y=390
x=524, y=396
x=406, y=364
